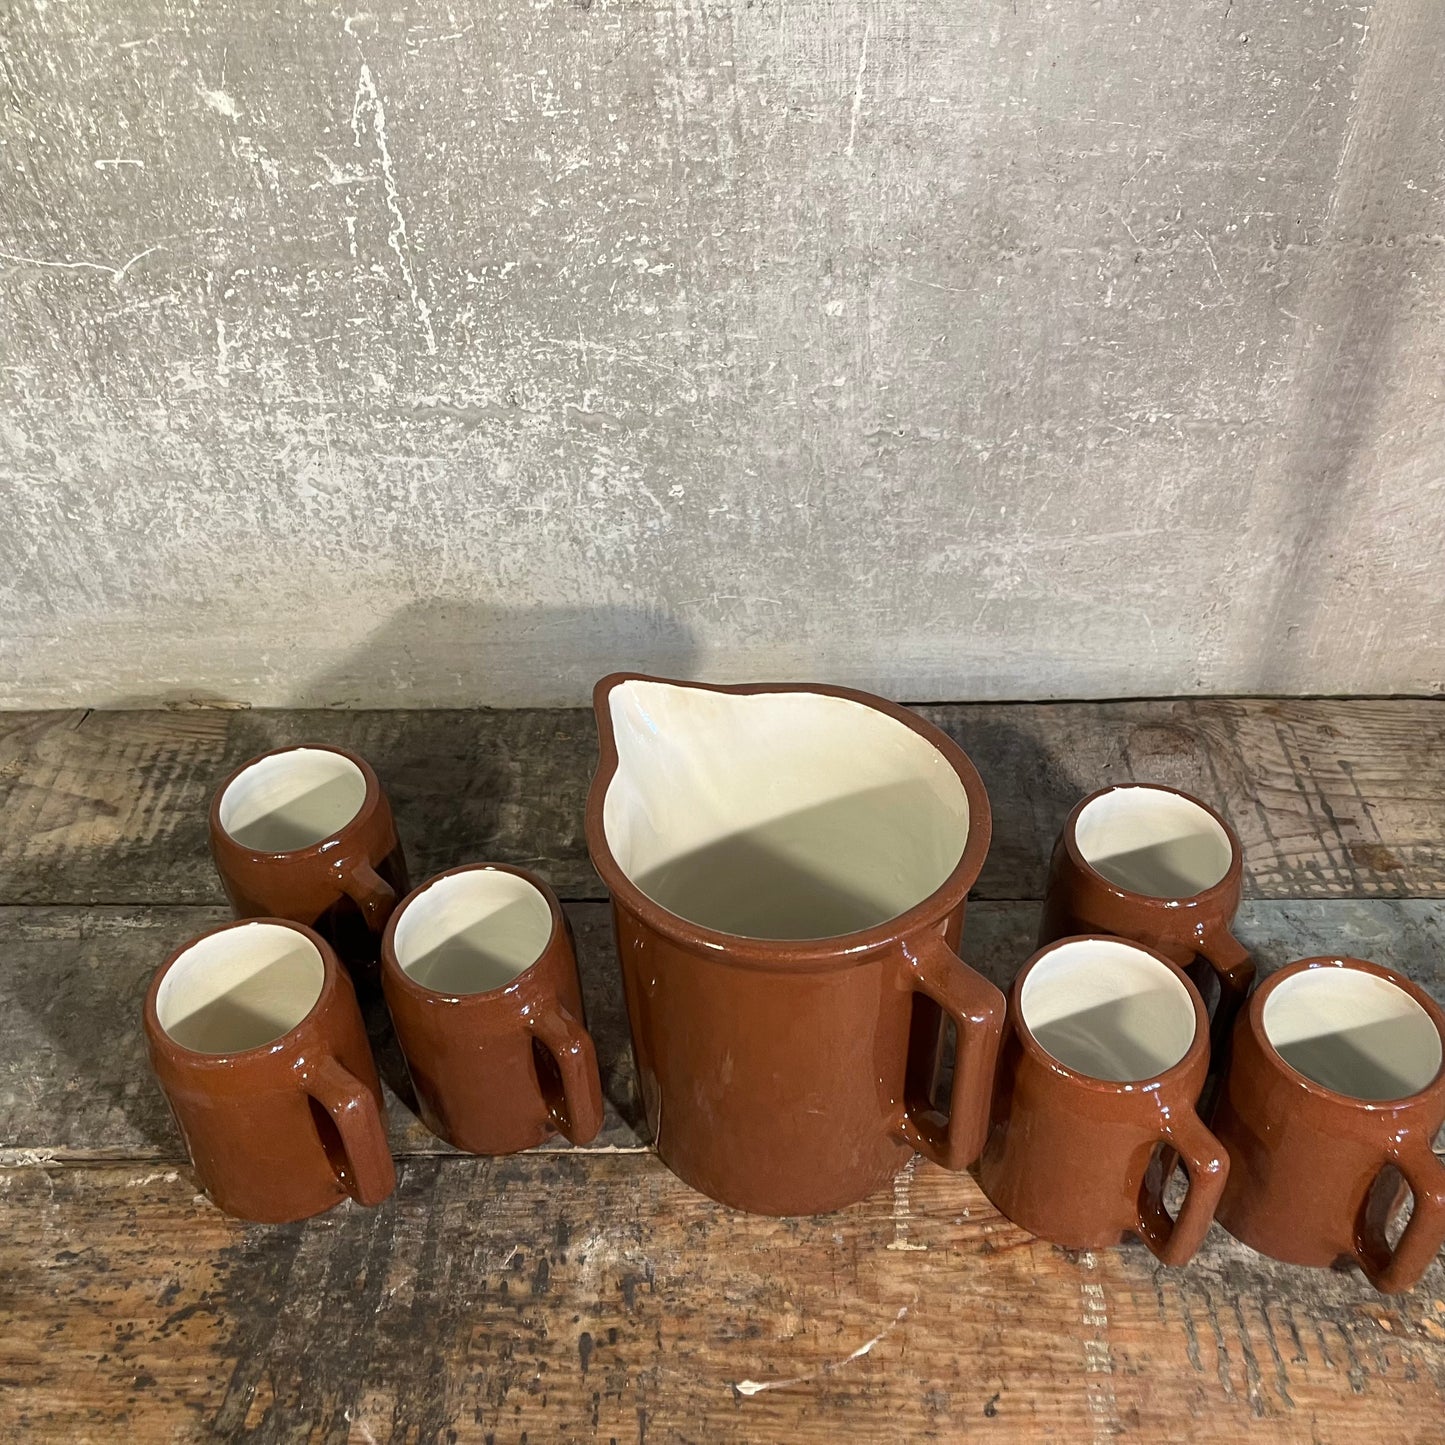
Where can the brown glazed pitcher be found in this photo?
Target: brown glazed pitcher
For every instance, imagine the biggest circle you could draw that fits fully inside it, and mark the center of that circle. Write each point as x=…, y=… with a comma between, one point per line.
x=255, y=1036
x=788, y=868
x=306, y=833
x=1104, y=1058
x=481, y=979
x=1334, y=1094
x=1154, y=865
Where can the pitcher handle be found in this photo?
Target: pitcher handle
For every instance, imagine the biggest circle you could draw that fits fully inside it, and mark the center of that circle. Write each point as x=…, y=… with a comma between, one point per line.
x=977, y=1010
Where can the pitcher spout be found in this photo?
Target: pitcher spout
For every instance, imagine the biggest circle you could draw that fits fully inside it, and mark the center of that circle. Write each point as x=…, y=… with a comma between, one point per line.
x=777, y=812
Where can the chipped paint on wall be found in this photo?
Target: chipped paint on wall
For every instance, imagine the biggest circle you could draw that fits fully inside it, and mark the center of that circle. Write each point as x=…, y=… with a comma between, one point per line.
x=382, y=358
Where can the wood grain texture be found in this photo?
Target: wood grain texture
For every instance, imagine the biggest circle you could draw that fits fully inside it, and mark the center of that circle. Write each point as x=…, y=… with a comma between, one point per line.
x=1331, y=798
x=74, y=1082
x=587, y=1294
x=560, y=1298
x=74, y=1079
x=111, y=807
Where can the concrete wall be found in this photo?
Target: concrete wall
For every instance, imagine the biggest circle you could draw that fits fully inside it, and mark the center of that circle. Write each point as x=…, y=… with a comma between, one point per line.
x=455, y=353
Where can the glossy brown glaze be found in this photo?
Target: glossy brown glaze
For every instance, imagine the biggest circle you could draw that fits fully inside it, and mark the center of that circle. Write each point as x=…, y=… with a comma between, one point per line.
x=1079, y=899
x=502, y=1070
x=1306, y=1184
x=794, y=1077
x=345, y=886
x=287, y=1129
x=1077, y=1160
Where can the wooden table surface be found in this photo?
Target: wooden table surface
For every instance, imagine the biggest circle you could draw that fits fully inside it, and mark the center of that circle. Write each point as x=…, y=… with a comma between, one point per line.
x=586, y=1294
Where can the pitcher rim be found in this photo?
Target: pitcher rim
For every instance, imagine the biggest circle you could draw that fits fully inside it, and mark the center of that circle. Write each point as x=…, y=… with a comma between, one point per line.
x=786, y=952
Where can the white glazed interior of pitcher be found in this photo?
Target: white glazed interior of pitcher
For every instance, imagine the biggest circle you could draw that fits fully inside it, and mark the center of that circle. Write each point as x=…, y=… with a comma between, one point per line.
x=782, y=815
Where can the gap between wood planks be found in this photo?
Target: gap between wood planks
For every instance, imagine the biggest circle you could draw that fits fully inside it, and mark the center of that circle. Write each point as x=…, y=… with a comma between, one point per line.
x=75, y=1086
x=1332, y=798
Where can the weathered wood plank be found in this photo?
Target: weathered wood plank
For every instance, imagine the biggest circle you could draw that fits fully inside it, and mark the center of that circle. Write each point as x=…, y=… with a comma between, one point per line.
x=74, y=1078
x=1332, y=798
x=579, y=1297
x=74, y=1082
x=111, y=807
x=583, y=1295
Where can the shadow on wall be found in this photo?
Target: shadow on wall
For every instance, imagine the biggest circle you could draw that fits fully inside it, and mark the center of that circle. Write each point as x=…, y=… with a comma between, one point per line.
x=447, y=649
x=455, y=803
x=462, y=789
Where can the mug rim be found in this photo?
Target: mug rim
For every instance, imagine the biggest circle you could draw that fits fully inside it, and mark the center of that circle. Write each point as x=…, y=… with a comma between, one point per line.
x=370, y=802
x=161, y=1037
x=1254, y=1015
x=800, y=954
x=1233, y=875
x=391, y=965
x=1196, y=1056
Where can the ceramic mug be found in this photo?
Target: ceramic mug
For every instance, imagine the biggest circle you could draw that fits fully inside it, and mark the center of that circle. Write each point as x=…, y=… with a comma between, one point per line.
x=1104, y=1058
x=1154, y=865
x=480, y=975
x=306, y=833
x=1333, y=1097
x=255, y=1035
x=788, y=868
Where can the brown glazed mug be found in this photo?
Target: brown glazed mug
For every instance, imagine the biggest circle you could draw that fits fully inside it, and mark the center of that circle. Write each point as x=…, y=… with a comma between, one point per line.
x=1104, y=1057
x=480, y=975
x=1154, y=865
x=788, y=867
x=306, y=833
x=1334, y=1093
x=255, y=1035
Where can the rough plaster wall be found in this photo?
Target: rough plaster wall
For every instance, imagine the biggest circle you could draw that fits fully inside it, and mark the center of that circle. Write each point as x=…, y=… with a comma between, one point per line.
x=458, y=353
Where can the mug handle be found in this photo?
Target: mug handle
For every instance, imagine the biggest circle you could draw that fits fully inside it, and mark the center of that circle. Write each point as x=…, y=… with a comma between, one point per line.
x=576, y=1057
x=1411, y=1257
x=1234, y=968
x=977, y=1009
x=359, y=1121
x=370, y=891
x=1207, y=1166
x=1232, y=963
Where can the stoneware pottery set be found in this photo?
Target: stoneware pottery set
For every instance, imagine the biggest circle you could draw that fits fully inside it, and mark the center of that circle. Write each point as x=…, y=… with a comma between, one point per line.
x=788, y=868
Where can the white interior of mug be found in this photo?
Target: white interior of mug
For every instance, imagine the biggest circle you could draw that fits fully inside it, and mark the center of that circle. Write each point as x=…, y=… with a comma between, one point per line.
x=240, y=988
x=1108, y=1010
x=1353, y=1032
x=778, y=815
x=292, y=799
x=1151, y=841
x=472, y=932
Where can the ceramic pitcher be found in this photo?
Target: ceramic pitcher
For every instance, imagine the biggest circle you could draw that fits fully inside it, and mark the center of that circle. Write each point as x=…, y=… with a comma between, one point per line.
x=788, y=868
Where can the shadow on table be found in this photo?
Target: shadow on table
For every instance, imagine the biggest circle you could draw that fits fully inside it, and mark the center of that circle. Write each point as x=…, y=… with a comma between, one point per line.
x=512, y=791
